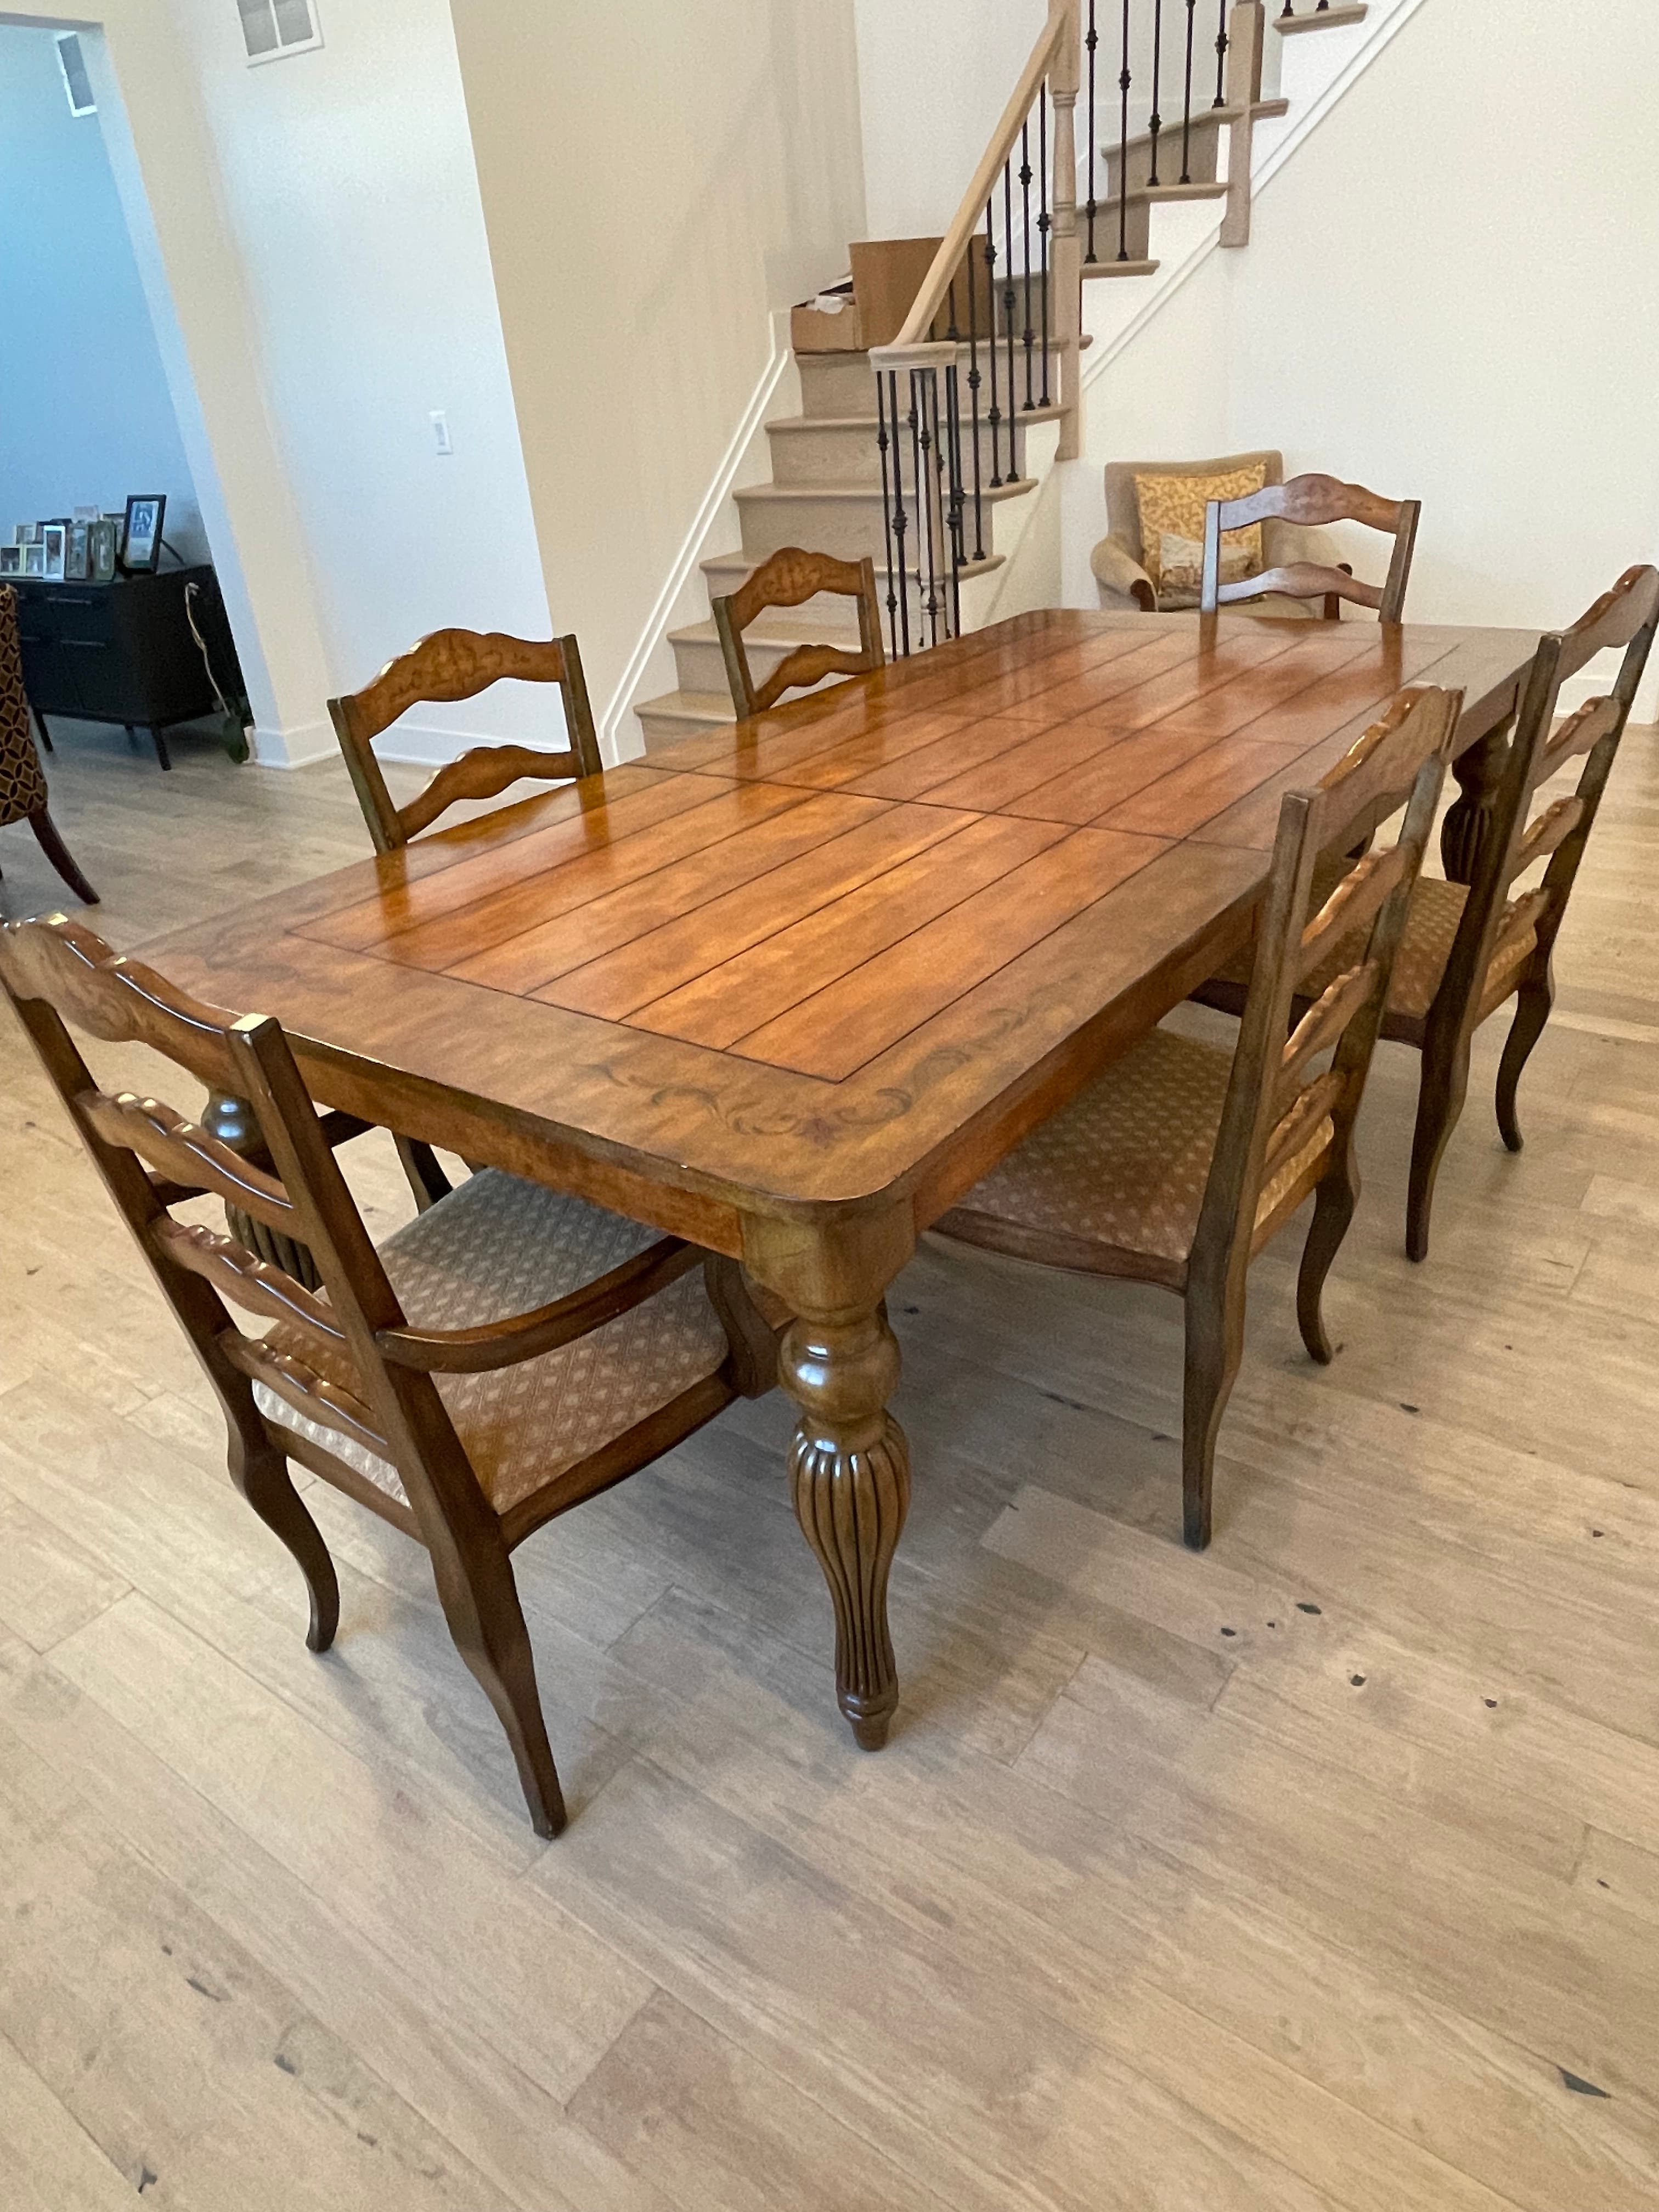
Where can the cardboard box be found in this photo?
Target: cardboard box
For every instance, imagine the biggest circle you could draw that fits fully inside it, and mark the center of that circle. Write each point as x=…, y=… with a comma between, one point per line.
x=819, y=326
x=887, y=275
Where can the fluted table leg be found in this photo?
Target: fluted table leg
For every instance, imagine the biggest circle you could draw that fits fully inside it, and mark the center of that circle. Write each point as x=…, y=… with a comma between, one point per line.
x=849, y=1473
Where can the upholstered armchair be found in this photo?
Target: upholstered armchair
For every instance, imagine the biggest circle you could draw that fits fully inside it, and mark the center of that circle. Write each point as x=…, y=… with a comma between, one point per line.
x=1127, y=562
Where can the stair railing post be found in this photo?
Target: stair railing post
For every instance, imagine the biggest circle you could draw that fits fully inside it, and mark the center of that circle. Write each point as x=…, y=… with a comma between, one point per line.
x=1247, y=31
x=1064, y=79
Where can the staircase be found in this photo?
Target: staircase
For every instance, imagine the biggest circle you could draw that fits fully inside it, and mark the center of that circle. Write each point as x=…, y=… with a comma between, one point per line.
x=826, y=489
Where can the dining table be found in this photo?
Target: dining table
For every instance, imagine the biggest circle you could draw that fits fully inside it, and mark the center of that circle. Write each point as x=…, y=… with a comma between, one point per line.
x=789, y=987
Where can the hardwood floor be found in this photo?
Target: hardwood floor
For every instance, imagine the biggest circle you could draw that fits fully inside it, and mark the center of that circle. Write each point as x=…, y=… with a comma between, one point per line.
x=1321, y=1871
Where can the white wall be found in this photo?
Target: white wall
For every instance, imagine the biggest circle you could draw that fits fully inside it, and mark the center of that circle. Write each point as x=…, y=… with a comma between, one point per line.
x=1450, y=291
x=933, y=77
x=85, y=413
x=353, y=200
x=654, y=181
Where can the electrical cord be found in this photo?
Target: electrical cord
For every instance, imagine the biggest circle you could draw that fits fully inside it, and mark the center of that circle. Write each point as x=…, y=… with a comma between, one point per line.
x=236, y=736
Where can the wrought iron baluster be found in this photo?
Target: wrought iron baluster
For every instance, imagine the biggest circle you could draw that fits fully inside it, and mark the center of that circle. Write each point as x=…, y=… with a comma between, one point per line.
x=1090, y=42
x=1044, y=220
x=1029, y=335
x=1010, y=298
x=1124, y=82
x=887, y=503
x=1155, y=123
x=995, y=416
x=921, y=464
x=1221, y=44
x=953, y=450
x=1186, y=101
x=900, y=520
x=973, y=402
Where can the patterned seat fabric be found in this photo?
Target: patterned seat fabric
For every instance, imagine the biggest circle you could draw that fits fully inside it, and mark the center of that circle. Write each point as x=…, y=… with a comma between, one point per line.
x=498, y=1246
x=1431, y=920
x=22, y=779
x=1124, y=1166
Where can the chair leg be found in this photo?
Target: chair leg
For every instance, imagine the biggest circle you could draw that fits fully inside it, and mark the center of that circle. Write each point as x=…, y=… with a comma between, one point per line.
x=426, y=1178
x=1439, y=1102
x=45, y=734
x=46, y=836
x=260, y=1473
x=1532, y=1010
x=1334, y=1209
x=161, y=746
x=1215, y=1345
x=480, y=1600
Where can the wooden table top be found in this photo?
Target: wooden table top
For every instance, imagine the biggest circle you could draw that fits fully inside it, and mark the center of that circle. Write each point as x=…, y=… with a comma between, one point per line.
x=851, y=949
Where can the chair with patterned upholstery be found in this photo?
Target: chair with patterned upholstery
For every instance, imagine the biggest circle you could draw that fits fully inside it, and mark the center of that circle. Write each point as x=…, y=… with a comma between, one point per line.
x=789, y=579
x=1311, y=502
x=1468, y=949
x=23, y=793
x=1183, y=1160
x=397, y=1382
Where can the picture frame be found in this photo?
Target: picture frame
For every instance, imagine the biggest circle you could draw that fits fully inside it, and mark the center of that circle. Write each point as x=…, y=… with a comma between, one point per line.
x=11, y=559
x=103, y=543
x=34, y=559
x=141, y=539
x=77, y=553
x=54, y=538
x=28, y=533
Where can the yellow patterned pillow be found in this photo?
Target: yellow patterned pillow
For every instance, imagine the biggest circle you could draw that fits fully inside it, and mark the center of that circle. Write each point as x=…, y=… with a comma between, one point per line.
x=1175, y=505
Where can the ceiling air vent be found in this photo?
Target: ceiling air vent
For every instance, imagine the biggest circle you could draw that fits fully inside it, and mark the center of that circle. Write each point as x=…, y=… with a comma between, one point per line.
x=273, y=28
x=76, y=82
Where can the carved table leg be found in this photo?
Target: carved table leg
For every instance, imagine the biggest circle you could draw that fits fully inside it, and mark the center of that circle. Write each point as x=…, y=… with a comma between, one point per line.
x=850, y=1473
x=1478, y=770
x=231, y=1120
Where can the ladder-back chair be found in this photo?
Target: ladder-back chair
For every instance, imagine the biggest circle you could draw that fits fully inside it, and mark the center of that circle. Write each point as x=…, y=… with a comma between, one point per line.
x=1467, y=951
x=23, y=794
x=397, y=1382
x=1183, y=1160
x=1312, y=502
x=787, y=579
x=459, y=664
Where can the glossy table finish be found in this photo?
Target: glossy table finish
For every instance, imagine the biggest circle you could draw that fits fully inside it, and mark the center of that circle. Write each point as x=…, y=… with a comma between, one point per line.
x=789, y=989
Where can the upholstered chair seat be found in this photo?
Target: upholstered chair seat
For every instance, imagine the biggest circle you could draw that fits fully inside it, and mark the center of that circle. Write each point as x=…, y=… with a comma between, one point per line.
x=1119, y=1174
x=500, y=1245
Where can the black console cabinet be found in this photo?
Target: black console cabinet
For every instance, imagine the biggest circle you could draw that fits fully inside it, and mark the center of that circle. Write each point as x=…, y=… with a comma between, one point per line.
x=123, y=651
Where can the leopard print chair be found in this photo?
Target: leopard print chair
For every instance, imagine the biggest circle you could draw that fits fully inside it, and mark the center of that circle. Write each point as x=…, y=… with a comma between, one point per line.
x=22, y=778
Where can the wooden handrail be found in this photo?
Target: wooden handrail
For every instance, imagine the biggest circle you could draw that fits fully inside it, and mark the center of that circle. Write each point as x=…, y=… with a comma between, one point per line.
x=1058, y=44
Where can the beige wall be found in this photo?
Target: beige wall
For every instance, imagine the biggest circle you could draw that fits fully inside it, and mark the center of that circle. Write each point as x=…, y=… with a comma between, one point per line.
x=654, y=179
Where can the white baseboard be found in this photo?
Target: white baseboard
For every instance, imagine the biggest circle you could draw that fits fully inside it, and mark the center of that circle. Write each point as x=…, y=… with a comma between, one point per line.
x=299, y=746
x=685, y=561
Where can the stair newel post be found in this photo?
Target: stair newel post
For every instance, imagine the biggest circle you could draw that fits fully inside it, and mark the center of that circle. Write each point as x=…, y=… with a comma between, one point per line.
x=1248, y=31
x=1063, y=85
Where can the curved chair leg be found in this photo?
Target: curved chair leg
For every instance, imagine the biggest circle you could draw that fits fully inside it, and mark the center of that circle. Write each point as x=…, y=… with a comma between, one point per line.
x=427, y=1179
x=46, y=836
x=1333, y=1208
x=1532, y=1010
x=260, y=1473
x=1439, y=1102
x=1215, y=1346
x=480, y=1600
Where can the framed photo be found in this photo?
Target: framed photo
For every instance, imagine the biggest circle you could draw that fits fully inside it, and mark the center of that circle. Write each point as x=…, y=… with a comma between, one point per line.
x=77, y=553
x=103, y=537
x=11, y=559
x=140, y=545
x=28, y=533
x=54, y=539
x=34, y=559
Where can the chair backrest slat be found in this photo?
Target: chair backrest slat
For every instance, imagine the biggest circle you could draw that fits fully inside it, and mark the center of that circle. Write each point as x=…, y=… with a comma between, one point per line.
x=451, y=665
x=1312, y=502
x=178, y=1148
x=788, y=579
x=1274, y=1108
x=255, y=1284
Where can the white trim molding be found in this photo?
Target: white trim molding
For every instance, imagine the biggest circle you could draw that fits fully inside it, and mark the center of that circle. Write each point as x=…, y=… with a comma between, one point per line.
x=685, y=561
